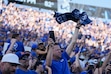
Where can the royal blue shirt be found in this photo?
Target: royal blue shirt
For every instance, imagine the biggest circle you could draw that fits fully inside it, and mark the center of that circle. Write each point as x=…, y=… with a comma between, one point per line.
x=0, y=72
x=61, y=66
x=18, y=46
x=19, y=71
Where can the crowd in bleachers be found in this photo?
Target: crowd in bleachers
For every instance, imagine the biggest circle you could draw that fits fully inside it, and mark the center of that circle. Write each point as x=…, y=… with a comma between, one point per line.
x=33, y=26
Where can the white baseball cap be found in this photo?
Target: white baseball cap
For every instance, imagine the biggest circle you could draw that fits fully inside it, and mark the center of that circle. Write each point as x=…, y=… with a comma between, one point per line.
x=82, y=56
x=11, y=58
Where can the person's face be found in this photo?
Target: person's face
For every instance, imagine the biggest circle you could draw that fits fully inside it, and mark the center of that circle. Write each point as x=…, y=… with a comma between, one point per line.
x=41, y=46
x=9, y=68
x=25, y=61
x=13, y=68
x=57, y=51
x=40, y=68
x=73, y=67
x=50, y=41
x=18, y=38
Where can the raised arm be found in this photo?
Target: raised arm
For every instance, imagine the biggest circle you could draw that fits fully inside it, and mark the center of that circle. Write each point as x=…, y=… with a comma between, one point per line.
x=41, y=52
x=50, y=52
x=102, y=68
x=10, y=49
x=49, y=55
x=106, y=61
x=49, y=69
x=74, y=39
x=78, y=61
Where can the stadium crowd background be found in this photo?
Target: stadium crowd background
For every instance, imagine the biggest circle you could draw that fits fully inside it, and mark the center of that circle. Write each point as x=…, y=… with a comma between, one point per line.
x=29, y=21
x=33, y=27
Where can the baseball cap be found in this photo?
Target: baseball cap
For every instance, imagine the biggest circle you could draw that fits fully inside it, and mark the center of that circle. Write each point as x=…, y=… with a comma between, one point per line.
x=34, y=46
x=11, y=58
x=22, y=54
x=25, y=57
x=82, y=57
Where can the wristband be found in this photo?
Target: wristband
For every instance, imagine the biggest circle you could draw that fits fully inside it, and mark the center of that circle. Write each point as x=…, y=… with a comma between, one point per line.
x=77, y=27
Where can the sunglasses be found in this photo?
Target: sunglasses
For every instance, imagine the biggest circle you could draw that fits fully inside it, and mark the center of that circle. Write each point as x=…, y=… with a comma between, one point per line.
x=25, y=58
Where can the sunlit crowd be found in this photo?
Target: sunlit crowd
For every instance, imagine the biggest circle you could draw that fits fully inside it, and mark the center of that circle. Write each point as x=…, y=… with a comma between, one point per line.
x=90, y=54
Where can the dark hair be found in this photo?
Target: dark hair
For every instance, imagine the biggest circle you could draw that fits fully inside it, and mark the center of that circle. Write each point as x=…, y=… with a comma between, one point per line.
x=15, y=35
x=26, y=55
x=1, y=57
x=39, y=63
x=91, y=67
x=56, y=43
x=40, y=44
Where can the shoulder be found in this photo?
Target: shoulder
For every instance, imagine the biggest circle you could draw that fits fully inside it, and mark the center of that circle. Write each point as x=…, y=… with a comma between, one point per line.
x=18, y=71
x=32, y=71
x=65, y=56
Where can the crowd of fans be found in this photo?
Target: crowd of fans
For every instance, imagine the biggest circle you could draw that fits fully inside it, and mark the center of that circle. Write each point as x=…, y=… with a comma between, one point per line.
x=90, y=54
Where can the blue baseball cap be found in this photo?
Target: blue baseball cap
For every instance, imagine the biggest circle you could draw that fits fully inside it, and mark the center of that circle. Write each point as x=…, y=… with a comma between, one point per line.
x=22, y=54
x=18, y=54
x=34, y=46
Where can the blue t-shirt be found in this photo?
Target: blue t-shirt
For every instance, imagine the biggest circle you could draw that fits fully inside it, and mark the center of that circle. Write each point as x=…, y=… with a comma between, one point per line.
x=0, y=72
x=18, y=46
x=61, y=66
x=19, y=71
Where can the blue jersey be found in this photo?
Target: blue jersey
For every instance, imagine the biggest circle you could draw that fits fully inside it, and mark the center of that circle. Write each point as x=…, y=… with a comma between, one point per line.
x=61, y=66
x=18, y=46
x=19, y=71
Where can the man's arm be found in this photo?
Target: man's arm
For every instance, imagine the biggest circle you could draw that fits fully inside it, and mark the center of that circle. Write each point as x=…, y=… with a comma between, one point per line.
x=41, y=52
x=49, y=69
x=101, y=69
x=73, y=41
x=106, y=61
x=49, y=55
x=78, y=62
x=11, y=46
